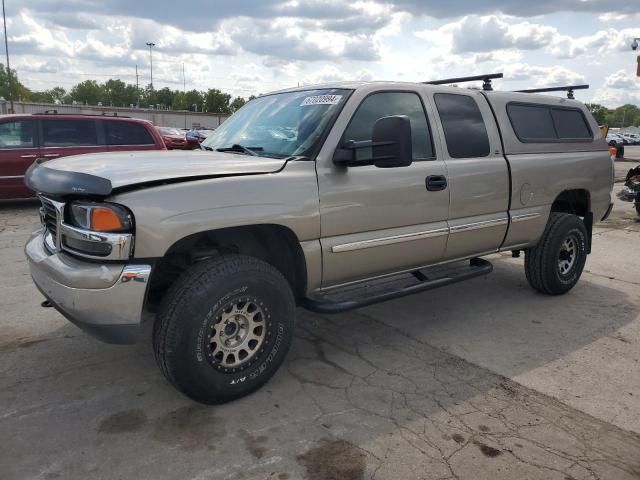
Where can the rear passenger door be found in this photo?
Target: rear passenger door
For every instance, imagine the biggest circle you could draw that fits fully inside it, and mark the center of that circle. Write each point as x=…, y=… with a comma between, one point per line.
x=18, y=150
x=124, y=135
x=63, y=137
x=477, y=173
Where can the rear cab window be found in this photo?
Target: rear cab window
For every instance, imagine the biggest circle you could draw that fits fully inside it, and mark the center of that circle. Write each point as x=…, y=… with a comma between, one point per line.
x=463, y=125
x=69, y=133
x=546, y=123
x=17, y=134
x=118, y=132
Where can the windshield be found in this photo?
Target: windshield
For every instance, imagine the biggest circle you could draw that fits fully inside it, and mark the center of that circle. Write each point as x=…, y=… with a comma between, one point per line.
x=279, y=125
x=170, y=131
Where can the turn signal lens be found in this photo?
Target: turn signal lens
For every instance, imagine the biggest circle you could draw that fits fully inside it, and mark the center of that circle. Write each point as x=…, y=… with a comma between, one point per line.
x=100, y=217
x=105, y=220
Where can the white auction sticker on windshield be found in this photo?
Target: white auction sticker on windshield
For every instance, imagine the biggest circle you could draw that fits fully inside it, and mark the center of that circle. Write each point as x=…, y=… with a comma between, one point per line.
x=321, y=100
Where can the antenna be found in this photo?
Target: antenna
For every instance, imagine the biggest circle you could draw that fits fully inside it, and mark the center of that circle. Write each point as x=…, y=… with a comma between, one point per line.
x=569, y=89
x=486, y=80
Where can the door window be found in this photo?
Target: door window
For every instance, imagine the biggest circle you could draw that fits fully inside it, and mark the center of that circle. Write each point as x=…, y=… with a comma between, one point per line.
x=69, y=133
x=463, y=126
x=19, y=134
x=385, y=104
x=126, y=133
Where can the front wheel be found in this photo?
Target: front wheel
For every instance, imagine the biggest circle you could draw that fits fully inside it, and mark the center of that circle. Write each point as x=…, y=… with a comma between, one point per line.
x=224, y=328
x=555, y=264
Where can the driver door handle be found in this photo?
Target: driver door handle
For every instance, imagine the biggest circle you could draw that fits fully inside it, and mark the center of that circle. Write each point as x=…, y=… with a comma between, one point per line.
x=436, y=183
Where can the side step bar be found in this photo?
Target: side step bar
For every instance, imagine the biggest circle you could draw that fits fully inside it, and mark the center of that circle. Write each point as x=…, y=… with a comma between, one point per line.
x=361, y=295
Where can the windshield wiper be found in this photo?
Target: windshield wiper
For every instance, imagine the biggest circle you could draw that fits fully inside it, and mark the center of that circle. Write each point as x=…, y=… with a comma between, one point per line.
x=236, y=147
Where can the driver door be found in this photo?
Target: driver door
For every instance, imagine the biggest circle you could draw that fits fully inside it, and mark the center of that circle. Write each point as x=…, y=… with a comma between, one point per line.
x=377, y=221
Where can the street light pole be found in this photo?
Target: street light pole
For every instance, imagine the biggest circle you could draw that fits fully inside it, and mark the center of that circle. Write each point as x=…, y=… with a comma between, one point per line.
x=150, y=45
x=6, y=49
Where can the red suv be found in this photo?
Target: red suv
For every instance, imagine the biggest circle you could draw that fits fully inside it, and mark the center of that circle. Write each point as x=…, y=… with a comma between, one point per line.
x=26, y=138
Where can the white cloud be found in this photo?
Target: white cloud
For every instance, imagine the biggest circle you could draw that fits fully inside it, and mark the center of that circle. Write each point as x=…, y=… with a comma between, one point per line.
x=622, y=79
x=333, y=74
x=253, y=46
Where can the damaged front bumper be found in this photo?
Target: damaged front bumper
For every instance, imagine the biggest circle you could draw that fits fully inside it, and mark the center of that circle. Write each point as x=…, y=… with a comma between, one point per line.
x=104, y=299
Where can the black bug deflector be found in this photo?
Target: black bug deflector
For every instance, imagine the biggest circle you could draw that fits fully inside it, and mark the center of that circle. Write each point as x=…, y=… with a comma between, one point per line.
x=61, y=183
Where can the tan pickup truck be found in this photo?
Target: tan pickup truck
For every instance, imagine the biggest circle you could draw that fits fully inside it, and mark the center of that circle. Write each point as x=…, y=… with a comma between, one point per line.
x=328, y=197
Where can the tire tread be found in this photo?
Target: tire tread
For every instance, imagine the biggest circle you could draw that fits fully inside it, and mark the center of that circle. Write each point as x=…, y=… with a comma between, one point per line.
x=166, y=330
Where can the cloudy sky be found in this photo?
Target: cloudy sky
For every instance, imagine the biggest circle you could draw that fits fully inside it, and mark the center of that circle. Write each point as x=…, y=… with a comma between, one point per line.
x=254, y=46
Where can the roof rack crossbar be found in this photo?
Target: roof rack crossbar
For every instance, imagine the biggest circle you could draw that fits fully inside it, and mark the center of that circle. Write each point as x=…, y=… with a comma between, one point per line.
x=486, y=80
x=103, y=114
x=569, y=89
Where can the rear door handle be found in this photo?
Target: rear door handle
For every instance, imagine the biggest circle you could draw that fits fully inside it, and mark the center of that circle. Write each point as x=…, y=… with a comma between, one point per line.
x=28, y=156
x=436, y=183
x=51, y=155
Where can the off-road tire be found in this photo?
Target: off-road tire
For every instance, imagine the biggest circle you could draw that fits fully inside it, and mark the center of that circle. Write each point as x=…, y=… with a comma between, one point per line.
x=181, y=336
x=541, y=262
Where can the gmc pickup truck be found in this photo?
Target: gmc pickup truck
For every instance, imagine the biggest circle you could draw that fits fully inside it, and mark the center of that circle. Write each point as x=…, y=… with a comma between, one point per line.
x=328, y=197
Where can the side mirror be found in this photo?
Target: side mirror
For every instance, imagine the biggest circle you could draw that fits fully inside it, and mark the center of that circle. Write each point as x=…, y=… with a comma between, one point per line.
x=391, y=139
x=390, y=145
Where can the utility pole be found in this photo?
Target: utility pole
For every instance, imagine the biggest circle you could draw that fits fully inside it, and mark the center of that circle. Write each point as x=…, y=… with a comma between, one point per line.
x=137, y=88
x=184, y=90
x=150, y=45
x=6, y=49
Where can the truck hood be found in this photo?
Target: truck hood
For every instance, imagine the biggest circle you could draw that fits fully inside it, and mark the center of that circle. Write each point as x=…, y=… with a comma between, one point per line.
x=99, y=174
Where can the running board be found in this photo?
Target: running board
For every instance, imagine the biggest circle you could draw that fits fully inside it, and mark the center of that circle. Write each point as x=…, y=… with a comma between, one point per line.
x=363, y=294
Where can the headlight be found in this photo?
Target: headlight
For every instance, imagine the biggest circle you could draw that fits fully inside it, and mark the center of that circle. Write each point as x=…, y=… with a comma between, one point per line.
x=100, y=217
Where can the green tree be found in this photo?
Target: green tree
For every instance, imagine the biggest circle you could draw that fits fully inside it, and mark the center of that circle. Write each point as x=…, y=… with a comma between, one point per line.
x=165, y=96
x=217, y=102
x=119, y=94
x=148, y=97
x=55, y=95
x=186, y=101
x=237, y=103
x=89, y=92
x=599, y=112
x=18, y=91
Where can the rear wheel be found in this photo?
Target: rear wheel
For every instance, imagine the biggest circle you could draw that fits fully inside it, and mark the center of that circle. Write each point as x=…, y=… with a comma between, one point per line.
x=224, y=328
x=555, y=265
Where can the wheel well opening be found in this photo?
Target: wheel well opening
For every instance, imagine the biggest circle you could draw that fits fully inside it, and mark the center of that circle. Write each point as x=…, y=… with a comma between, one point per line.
x=274, y=244
x=576, y=202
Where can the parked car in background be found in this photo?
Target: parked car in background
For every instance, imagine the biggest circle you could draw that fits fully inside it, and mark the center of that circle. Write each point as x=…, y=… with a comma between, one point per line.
x=173, y=138
x=631, y=138
x=615, y=140
x=195, y=137
x=26, y=138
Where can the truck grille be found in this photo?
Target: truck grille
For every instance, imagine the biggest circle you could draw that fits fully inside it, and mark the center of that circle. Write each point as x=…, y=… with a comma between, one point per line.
x=49, y=217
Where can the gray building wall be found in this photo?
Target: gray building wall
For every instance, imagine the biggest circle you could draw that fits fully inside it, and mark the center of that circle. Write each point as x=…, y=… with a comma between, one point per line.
x=164, y=118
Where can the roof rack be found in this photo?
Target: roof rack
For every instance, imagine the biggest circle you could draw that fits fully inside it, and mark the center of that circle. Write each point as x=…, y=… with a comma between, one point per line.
x=569, y=89
x=103, y=114
x=486, y=80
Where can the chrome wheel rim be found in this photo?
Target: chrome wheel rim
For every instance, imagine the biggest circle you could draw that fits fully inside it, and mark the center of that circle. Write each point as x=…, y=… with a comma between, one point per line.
x=237, y=334
x=568, y=255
